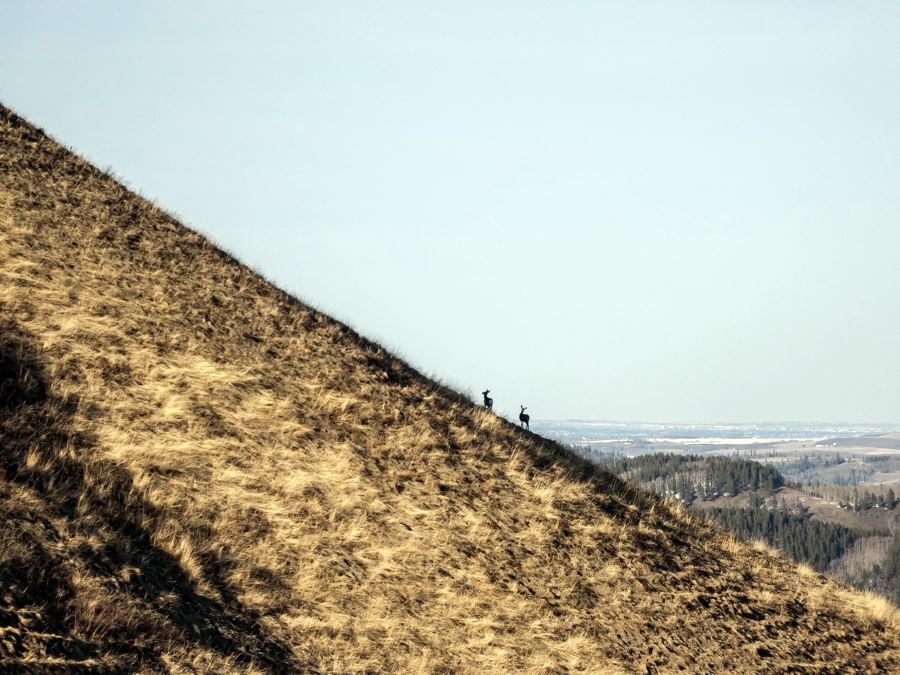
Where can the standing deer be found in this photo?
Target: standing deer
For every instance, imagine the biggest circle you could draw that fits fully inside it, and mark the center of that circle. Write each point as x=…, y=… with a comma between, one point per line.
x=488, y=401
x=523, y=418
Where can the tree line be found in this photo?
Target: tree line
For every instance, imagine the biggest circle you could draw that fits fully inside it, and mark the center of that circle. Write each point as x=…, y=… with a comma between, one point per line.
x=805, y=540
x=889, y=572
x=690, y=477
x=856, y=499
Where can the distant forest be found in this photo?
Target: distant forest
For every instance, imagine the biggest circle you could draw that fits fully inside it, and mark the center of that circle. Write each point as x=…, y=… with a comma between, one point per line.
x=790, y=529
x=836, y=469
x=887, y=576
x=690, y=477
x=803, y=539
x=856, y=499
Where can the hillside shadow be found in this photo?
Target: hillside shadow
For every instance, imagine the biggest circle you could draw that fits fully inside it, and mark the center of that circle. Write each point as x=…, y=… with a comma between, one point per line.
x=41, y=453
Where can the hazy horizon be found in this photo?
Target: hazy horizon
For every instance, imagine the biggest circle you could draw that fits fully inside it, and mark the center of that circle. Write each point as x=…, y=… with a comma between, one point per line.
x=591, y=420
x=677, y=211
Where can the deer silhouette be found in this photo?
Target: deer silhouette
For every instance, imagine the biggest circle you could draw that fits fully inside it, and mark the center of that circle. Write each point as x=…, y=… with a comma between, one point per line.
x=488, y=401
x=523, y=418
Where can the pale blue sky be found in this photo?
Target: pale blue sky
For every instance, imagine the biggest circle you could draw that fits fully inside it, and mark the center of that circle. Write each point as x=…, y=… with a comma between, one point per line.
x=673, y=211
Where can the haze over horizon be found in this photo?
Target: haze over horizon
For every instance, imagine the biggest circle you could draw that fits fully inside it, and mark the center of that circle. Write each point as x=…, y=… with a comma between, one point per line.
x=723, y=423
x=655, y=212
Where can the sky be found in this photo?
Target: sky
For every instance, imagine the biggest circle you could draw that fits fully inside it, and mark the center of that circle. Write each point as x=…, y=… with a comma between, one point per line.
x=658, y=211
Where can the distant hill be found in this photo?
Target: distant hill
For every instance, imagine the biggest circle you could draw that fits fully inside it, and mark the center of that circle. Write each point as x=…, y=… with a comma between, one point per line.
x=690, y=477
x=883, y=441
x=202, y=474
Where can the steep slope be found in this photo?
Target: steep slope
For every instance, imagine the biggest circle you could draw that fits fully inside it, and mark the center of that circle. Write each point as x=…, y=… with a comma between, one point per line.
x=201, y=474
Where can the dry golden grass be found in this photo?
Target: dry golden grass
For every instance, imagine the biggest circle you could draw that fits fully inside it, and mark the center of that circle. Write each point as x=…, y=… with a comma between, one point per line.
x=201, y=474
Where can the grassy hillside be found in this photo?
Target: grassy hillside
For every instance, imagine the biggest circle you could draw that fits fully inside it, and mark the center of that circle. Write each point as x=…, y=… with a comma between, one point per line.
x=201, y=474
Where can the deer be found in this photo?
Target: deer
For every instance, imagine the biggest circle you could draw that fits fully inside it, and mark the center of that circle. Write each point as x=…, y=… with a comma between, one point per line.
x=488, y=401
x=523, y=418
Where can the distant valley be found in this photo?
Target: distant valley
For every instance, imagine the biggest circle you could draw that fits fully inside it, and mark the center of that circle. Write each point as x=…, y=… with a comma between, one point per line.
x=824, y=494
